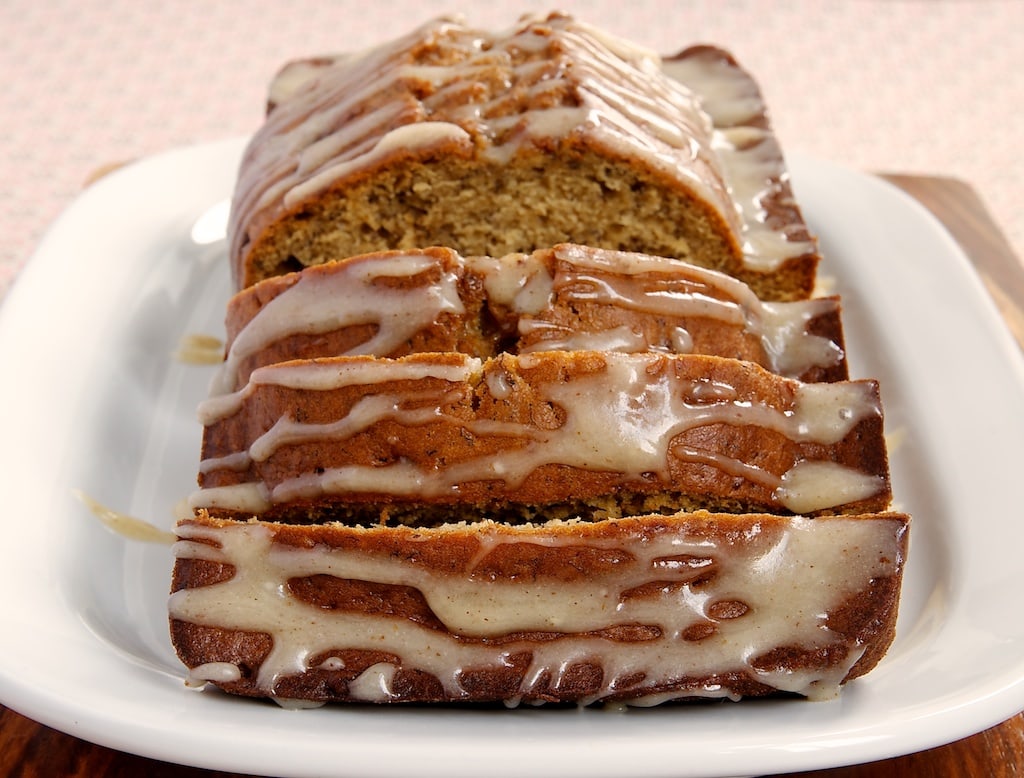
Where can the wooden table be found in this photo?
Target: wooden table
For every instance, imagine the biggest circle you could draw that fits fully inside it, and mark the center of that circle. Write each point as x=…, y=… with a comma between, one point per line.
x=30, y=750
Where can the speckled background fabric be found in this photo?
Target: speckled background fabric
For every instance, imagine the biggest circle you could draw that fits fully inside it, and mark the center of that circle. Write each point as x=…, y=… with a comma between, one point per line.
x=931, y=86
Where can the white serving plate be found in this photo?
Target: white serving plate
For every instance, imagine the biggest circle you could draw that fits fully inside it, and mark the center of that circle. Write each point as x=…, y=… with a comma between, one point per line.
x=92, y=399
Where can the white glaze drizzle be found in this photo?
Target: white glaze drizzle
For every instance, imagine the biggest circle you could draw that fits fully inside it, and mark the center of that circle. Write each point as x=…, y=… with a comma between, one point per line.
x=788, y=573
x=218, y=672
x=316, y=376
x=519, y=282
x=791, y=349
x=623, y=338
x=199, y=349
x=374, y=683
x=247, y=497
x=810, y=486
x=128, y=527
x=352, y=295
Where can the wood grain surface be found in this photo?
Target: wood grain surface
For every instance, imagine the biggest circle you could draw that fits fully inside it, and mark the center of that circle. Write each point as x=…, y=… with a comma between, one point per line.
x=31, y=750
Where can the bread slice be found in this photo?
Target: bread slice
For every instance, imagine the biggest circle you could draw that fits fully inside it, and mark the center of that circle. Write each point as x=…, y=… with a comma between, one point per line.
x=493, y=144
x=639, y=610
x=568, y=297
x=434, y=438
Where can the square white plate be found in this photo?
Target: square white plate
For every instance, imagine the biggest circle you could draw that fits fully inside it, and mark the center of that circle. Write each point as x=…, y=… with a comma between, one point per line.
x=92, y=399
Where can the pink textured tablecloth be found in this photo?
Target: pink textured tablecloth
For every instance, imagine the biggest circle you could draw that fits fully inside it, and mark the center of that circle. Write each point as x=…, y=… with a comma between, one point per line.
x=930, y=87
